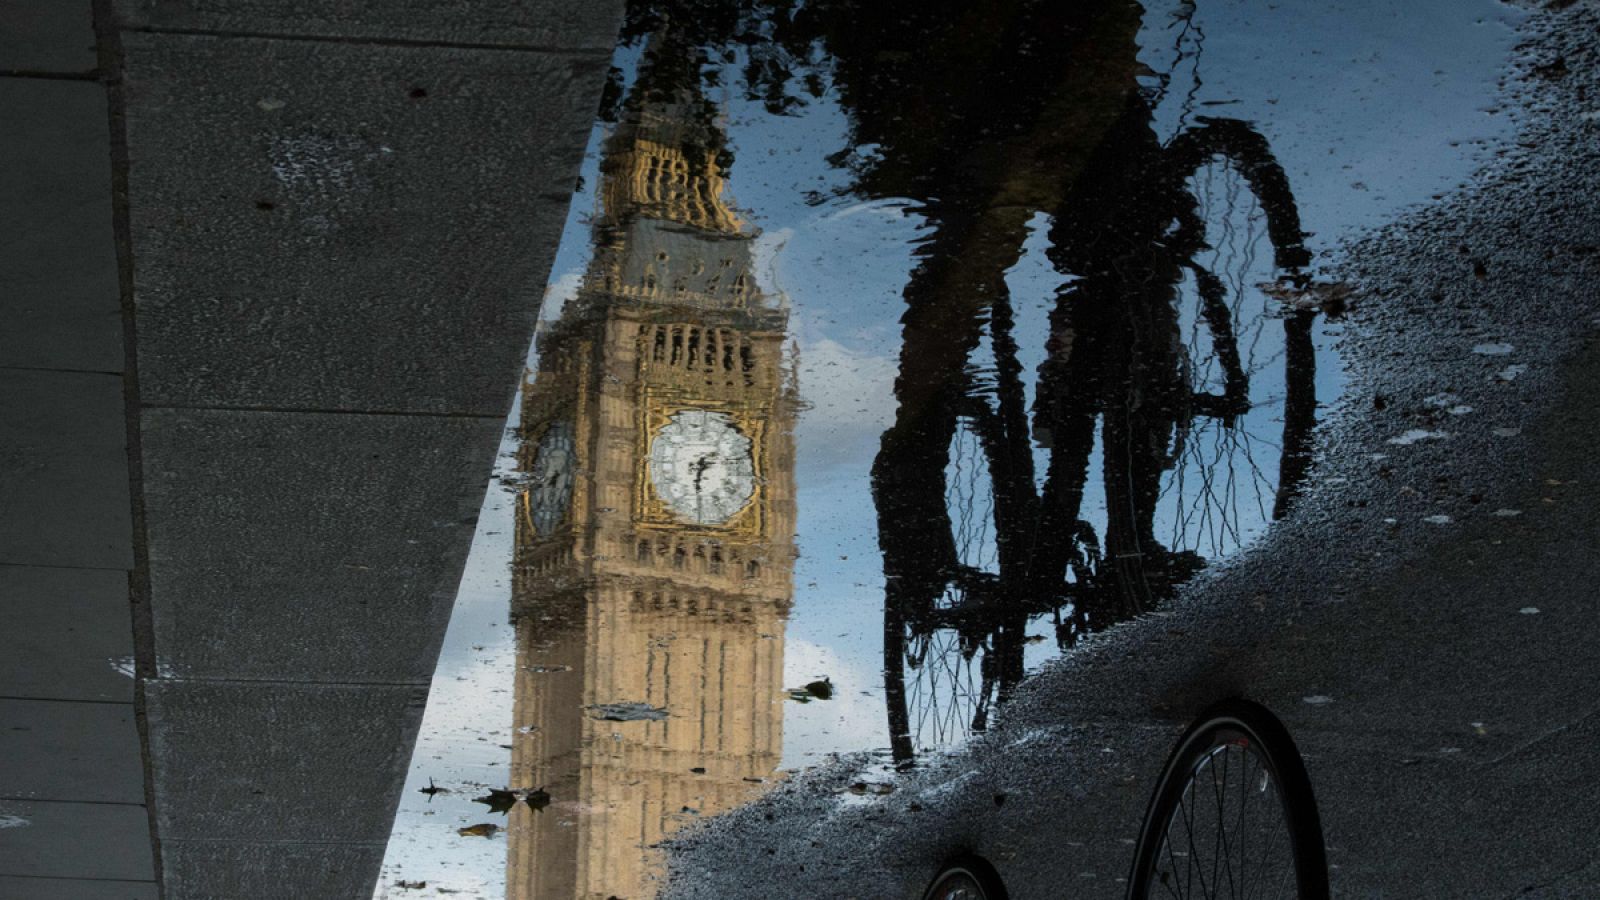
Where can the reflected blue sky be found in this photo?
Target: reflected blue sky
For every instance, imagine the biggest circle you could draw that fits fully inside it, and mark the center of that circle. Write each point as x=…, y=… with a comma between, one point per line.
x=1370, y=107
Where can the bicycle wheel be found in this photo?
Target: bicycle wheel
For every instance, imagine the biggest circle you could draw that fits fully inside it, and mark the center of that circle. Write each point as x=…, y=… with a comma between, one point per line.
x=1233, y=815
x=966, y=878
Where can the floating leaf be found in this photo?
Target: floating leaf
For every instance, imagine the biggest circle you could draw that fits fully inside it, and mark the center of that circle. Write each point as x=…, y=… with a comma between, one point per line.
x=483, y=829
x=499, y=801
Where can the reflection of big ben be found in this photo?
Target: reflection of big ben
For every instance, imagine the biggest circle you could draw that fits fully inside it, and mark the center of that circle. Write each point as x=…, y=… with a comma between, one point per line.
x=655, y=539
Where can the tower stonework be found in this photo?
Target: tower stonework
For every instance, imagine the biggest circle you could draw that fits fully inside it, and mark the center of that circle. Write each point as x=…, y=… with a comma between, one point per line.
x=655, y=531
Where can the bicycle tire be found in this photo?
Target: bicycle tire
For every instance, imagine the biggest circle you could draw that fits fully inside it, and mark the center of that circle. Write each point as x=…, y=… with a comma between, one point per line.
x=966, y=877
x=1246, y=730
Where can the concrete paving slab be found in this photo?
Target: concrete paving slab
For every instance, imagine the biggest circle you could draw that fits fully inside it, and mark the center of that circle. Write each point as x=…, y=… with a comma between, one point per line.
x=334, y=226
x=63, y=470
x=55, y=36
x=75, y=840
x=530, y=23
x=68, y=750
x=66, y=631
x=74, y=889
x=202, y=870
x=269, y=763
x=58, y=268
x=308, y=546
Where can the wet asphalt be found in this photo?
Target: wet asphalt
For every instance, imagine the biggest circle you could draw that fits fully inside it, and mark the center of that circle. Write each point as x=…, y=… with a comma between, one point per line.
x=1424, y=621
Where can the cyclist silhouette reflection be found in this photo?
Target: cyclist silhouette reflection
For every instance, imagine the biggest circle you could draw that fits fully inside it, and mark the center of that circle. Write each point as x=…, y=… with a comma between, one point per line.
x=983, y=118
x=977, y=542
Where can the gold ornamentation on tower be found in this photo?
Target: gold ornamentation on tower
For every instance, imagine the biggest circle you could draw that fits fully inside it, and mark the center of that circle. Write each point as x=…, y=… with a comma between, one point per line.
x=655, y=537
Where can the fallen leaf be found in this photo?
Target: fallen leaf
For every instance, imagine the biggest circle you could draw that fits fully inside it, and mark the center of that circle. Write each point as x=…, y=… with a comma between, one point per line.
x=498, y=800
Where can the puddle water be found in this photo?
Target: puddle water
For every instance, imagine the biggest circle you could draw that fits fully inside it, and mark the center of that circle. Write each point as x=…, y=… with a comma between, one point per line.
x=890, y=350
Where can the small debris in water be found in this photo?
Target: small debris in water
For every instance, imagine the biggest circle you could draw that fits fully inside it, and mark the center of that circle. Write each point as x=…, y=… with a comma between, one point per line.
x=1493, y=349
x=1316, y=699
x=1510, y=373
x=627, y=712
x=1507, y=432
x=1440, y=519
x=1505, y=513
x=1418, y=434
x=483, y=830
x=1529, y=610
x=816, y=690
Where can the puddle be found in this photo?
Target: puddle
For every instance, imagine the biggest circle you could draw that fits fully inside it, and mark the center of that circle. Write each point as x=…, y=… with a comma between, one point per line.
x=889, y=352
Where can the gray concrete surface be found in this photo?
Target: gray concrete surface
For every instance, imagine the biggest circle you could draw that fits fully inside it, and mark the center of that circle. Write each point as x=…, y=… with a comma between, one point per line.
x=72, y=785
x=70, y=751
x=539, y=24
x=327, y=227
x=307, y=547
x=352, y=247
x=1438, y=674
x=64, y=628
x=76, y=889
x=73, y=842
x=339, y=223
x=231, y=773
x=64, y=479
x=47, y=38
x=58, y=262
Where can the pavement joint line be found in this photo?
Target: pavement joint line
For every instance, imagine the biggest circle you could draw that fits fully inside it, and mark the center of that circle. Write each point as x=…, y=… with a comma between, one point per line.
x=64, y=371
x=552, y=50
x=90, y=75
x=141, y=625
x=10, y=799
x=283, y=682
x=4, y=874
x=13, y=697
x=314, y=411
x=29, y=565
x=278, y=842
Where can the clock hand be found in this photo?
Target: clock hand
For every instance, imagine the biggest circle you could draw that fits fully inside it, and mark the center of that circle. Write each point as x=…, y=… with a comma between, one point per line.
x=700, y=467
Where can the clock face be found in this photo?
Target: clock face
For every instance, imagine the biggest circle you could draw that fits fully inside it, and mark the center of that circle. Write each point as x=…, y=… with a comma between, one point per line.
x=550, y=479
x=702, y=467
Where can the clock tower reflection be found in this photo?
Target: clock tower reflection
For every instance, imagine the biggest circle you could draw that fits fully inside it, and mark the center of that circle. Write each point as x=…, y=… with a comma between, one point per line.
x=655, y=535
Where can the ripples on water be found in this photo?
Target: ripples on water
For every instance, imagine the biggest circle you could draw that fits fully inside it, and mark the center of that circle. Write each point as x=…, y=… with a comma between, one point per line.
x=891, y=350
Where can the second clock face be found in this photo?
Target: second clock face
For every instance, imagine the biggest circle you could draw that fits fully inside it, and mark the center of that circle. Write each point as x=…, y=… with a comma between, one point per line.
x=702, y=467
x=550, y=479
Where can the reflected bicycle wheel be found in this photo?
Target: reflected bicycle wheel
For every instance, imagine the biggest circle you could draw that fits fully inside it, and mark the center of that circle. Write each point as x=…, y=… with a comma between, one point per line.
x=966, y=878
x=1233, y=815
